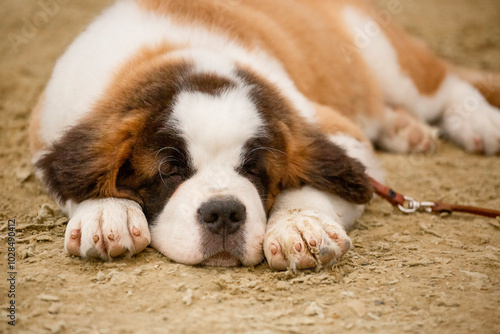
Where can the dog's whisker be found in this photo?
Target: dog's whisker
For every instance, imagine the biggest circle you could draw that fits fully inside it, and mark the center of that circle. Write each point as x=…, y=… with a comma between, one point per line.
x=270, y=149
x=166, y=148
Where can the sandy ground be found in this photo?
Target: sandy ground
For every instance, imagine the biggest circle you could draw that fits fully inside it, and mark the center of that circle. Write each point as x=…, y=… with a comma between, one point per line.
x=420, y=273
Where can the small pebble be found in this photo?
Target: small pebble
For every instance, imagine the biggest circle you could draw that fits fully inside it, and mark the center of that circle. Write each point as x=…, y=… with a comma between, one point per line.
x=55, y=308
x=188, y=297
x=314, y=310
x=282, y=285
x=48, y=298
x=100, y=276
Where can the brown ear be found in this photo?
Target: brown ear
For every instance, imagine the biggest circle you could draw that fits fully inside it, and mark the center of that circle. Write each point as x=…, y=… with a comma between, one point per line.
x=308, y=157
x=317, y=162
x=85, y=162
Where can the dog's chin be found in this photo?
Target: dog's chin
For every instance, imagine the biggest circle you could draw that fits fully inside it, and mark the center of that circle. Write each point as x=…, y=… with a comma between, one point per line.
x=222, y=259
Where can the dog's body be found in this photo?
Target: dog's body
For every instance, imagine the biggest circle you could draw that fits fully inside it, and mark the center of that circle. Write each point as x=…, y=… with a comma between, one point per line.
x=236, y=127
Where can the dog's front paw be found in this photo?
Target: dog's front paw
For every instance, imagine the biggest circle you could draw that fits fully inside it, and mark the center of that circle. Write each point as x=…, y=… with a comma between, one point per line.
x=301, y=239
x=107, y=228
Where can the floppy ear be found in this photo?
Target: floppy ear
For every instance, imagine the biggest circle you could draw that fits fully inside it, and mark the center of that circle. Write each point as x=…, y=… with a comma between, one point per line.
x=317, y=162
x=85, y=162
x=308, y=157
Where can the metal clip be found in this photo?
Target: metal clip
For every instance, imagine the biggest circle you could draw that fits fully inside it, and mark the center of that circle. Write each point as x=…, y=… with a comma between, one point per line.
x=411, y=205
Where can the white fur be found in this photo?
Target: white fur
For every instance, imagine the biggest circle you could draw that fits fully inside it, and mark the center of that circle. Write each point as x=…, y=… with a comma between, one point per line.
x=82, y=74
x=469, y=120
x=309, y=198
x=216, y=128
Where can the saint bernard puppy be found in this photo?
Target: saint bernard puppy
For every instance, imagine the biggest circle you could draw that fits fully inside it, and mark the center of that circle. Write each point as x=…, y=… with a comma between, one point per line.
x=225, y=131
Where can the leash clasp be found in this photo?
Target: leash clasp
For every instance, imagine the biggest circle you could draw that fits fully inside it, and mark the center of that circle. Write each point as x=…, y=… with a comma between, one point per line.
x=411, y=205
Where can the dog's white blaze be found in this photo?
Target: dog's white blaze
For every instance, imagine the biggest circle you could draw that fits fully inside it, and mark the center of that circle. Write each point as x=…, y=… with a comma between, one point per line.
x=82, y=74
x=216, y=128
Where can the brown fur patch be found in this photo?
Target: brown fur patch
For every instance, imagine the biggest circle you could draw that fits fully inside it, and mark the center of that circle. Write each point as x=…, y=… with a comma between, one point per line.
x=86, y=161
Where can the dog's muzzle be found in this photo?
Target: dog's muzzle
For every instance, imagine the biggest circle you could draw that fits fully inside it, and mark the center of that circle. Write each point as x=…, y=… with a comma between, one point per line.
x=223, y=219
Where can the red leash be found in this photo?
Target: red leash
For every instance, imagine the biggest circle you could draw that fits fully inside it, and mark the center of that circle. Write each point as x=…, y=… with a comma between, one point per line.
x=409, y=205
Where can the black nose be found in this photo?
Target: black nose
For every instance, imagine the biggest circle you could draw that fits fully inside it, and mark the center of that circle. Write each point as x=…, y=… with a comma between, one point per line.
x=222, y=215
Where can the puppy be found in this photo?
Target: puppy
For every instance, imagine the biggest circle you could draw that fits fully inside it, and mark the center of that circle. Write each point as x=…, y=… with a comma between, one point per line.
x=222, y=132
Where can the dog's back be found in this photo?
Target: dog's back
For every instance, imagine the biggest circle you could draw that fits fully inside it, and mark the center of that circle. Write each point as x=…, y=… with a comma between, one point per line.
x=309, y=38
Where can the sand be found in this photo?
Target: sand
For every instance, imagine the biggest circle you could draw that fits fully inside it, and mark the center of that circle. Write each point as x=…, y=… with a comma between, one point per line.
x=407, y=273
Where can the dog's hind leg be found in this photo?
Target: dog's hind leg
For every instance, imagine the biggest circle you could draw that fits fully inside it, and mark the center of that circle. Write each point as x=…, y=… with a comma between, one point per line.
x=395, y=130
x=411, y=77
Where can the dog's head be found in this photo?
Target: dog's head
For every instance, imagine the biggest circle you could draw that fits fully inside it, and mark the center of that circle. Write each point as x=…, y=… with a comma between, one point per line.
x=204, y=153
